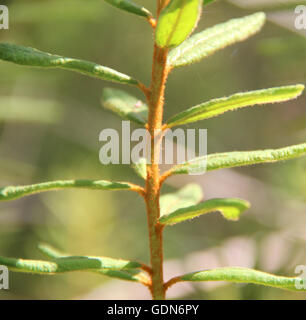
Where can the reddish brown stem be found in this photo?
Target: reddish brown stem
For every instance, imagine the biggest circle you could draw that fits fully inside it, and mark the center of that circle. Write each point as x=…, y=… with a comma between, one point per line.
x=156, y=104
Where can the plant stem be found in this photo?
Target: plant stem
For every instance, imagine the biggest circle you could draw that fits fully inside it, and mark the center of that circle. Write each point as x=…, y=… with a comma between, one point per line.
x=156, y=104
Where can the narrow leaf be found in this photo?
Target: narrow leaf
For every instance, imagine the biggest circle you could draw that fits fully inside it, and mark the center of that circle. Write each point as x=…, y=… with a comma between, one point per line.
x=190, y=195
x=217, y=107
x=244, y=275
x=231, y=209
x=127, y=274
x=239, y=159
x=177, y=21
x=125, y=105
x=15, y=192
x=35, y=58
x=131, y=7
x=67, y=264
x=141, y=168
x=207, y=42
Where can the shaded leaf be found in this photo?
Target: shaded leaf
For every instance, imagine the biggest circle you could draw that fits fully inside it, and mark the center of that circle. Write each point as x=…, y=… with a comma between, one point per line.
x=205, y=2
x=129, y=275
x=190, y=195
x=217, y=107
x=141, y=168
x=15, y=192
x=239, y=159
x=231, y=209
x=244, y=275
x=35, y=58
x=177, y=21
x=131, y=7
x=207, y=42
x=125, y=105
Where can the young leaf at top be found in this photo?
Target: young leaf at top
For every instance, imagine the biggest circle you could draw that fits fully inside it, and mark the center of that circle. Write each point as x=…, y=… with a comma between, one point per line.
x=177, y=21
x=190, y=195
x=231, y=209
x=35, y=58
x=15, y=192
x=217, y=107
x=238, y=159
x=126, y=274
x=141, y=168
x=245, y=275
x=207, y=42
x=131, y=7
x=125, y=105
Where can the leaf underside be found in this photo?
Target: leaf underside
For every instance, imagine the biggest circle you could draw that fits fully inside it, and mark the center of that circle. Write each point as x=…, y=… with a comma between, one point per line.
x=125, y=105
x=231, y=209
x=177, y=21
x=217, y=107
x=36, y=58
x=141, y=168
x=190, y=195
x=207, y=42
x=245, y=275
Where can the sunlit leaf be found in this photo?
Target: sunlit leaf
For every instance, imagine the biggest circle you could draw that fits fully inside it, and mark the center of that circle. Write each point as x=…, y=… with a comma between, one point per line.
x=190, y=195
x=66, y=264
x=244, y=275
x=217, y=107
x=131, y=7
x=231, y=209
x=239, y=159
x=125, y=105
x=35, y=58
x=15, y=192
x=141, y=168
x=177, y=21
x=126, y=274
x=207, y=42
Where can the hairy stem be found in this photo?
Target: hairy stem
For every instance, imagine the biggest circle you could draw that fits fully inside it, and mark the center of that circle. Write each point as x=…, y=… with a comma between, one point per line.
x=156, y=104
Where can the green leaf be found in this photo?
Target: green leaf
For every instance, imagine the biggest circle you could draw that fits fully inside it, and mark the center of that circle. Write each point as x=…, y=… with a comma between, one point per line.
x=125, y=105
x=67, y=264
x=231, y=209
x=217, y=107
x=205, y=2
x=131, y=7
x=244, y=275
x=15, y=192
x=35, y=58
x=129, y=275
x=239, y=159
x=207, y=42
x=190, y=195
x=177, y=21
x=141, y=168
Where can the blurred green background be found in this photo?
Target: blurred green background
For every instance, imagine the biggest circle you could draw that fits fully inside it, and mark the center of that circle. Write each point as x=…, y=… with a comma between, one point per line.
x=49, y=127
